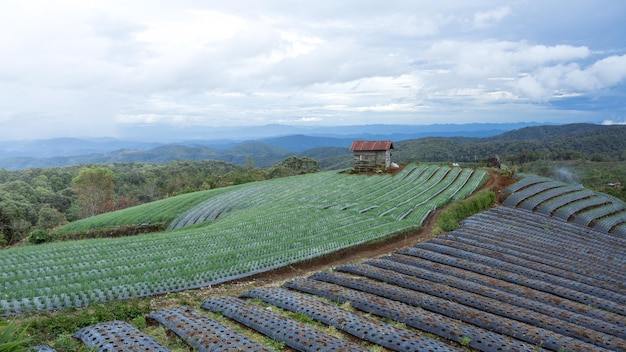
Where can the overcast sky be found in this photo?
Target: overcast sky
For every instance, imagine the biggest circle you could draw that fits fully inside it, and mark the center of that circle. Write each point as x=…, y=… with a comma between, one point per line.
x=93, y=68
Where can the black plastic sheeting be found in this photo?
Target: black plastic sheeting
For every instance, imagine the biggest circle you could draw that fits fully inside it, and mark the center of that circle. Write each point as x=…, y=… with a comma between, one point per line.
x=511, y=260
x=374, y=331
x=437, y=324
x=510, y=288
x=496, y=290
x=598, y=296
x=203, y=333
x=547, y=252
x=496, y=307
x=293, y=333
x=116, y=336
x=488, y=321
x=41, y=349
x=500, y=273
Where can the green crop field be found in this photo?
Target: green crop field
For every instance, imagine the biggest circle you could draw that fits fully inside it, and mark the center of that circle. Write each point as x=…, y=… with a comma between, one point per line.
x=219, y=235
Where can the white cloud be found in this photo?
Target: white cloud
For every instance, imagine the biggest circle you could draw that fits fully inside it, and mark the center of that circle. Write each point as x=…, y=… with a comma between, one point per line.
x=548, y=82
x=68, y=65
x=612, y=122
x=486, y=18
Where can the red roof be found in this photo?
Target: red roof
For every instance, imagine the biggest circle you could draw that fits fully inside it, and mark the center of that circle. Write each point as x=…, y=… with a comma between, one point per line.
x=371, y=145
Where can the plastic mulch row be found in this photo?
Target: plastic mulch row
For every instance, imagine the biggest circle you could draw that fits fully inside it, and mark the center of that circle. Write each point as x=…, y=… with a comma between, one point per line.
x=521, y=301
x=440, y=325
x=501, y=274
x=557, y=240
x=497, y=307
x=585, y=218
x=514, y=256
x=514, y=199
x=525, y=182
x=545, y=253
x=566, y=211
x=424, y=265
x=41, y=349
x=372, y=330
x=117, y=336
x=531, y=203
x=549, y=207
x=592, y=295
x=203, y=333
x=519, y=330
x=523, y=224
x=294, y=334
x=608, y=223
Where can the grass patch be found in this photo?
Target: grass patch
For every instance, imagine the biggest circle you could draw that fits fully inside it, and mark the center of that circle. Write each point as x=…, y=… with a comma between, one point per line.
x=58, y=326
x=12, y=339
x=449, y=219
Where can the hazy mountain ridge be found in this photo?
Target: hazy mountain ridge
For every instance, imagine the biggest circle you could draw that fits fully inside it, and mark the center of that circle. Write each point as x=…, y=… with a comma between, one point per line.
x=147, y=137
x=333, y=151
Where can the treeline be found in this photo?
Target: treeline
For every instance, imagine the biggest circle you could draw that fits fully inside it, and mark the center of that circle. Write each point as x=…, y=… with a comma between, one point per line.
x=36, y=200
x=558, y=143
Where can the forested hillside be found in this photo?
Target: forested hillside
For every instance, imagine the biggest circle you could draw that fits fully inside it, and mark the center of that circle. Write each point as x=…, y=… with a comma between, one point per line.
x=568, y=142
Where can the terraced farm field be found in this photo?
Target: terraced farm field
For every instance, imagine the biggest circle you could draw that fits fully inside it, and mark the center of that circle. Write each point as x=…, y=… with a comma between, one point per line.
x=217, y=236
x=507, y=280
x=568, y=202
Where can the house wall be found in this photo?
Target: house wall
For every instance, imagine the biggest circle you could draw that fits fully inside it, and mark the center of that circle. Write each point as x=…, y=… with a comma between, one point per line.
x=369, y=160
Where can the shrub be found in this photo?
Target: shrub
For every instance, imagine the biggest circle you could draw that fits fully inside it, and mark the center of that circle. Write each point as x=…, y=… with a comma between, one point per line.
x=38, y=236
x=449, y=219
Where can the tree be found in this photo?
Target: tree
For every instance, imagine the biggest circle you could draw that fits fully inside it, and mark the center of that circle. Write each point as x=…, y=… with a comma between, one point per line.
x=50, y=218
x=95, y=190
x=13, y=228
x=294, y=166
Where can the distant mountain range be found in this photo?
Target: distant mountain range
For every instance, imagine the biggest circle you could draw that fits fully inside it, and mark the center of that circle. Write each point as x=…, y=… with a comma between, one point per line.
x=427, y=143
x=220, y=138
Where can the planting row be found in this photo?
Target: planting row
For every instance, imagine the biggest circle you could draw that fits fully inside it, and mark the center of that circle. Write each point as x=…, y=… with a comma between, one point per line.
x=420, y=189
x=173, y=261
x=568, y=202
x=161, y=211
x=495, y=284
x=262, y=226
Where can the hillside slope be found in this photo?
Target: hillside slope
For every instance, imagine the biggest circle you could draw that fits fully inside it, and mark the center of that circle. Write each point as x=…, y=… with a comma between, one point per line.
x=234, y=232
x=448, y=293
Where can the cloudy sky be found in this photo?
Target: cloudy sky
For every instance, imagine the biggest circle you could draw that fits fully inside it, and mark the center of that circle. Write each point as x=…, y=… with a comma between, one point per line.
x=97, y=67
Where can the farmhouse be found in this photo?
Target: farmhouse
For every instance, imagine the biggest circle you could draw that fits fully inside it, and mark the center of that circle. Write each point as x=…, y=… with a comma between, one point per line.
x=371, y=155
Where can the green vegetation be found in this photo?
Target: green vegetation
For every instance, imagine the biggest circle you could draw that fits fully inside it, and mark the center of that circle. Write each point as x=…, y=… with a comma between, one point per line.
x=11, y=339
x=160, y=211
x=598, y=176
x=261, y=226
x=45, y=199
x=95, y=190
x=449, y=219
x=59, y=326
x=466, y=340
x=568, y=142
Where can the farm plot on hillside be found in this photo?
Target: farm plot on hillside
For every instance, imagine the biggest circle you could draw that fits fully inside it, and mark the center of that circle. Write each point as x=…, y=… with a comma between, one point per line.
x=261, y=226
x=507, y=280
x=164, y=210
x=568, y=202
